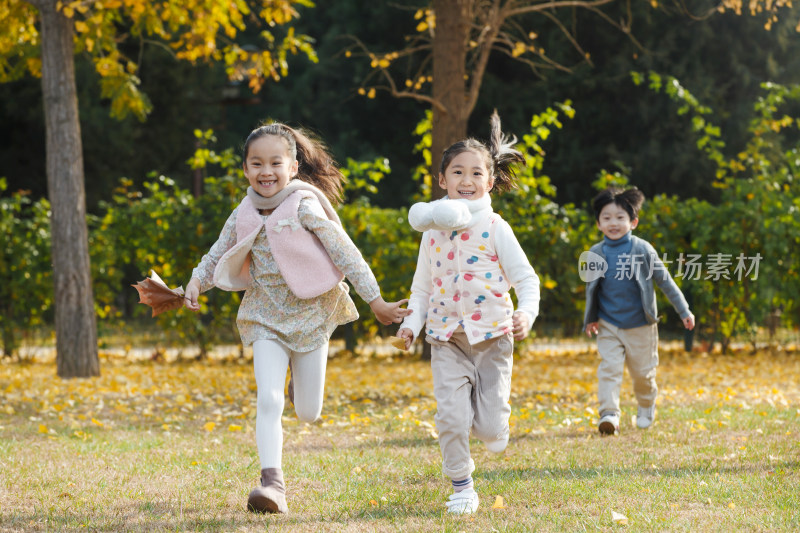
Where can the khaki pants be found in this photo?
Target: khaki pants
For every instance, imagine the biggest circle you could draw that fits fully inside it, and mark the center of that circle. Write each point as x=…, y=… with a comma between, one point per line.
x=472, y=384
x=636, y=348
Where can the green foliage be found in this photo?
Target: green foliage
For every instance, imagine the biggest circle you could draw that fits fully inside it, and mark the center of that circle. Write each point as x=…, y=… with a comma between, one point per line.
x=166, y=229
x=362, y=177
x=552, y=235
x=422, y=172
x=755, y=226
x=26, y=284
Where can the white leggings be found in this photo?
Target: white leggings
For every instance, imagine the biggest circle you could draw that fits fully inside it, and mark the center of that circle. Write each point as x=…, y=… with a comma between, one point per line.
x=270, y=362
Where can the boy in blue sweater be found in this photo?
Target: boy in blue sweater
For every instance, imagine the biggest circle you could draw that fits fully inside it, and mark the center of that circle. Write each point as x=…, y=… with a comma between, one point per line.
x=621, y=308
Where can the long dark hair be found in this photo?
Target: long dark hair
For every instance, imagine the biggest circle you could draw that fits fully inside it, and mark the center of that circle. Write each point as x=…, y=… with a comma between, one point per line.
x=315, y=163
x=499, y=155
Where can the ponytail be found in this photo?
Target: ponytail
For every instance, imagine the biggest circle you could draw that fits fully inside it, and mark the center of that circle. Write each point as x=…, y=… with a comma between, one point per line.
x=499, y=155
x=504, y=156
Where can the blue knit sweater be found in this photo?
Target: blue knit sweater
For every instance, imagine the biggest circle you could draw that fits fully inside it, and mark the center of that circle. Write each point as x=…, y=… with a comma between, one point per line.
x=619, y=297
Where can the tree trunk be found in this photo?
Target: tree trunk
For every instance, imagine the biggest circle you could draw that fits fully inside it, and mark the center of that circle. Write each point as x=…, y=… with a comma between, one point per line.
x=76, y=328
x=450, y=42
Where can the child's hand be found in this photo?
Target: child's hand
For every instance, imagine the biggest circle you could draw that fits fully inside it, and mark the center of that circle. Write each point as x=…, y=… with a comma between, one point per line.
x=520, y=325
x=389, y=312
x=407, y=335
x=591, y=327
x=688, y=322
x=191, y=295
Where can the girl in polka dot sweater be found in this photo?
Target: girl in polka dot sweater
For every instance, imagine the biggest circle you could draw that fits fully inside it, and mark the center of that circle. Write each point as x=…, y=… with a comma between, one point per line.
x=469, y=258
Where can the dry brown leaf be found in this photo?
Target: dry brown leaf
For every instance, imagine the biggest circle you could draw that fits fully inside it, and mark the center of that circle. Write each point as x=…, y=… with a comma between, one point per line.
x=155, y=293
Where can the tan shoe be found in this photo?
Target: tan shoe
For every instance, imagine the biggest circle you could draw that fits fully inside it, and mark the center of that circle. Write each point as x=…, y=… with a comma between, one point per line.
x=270, y=497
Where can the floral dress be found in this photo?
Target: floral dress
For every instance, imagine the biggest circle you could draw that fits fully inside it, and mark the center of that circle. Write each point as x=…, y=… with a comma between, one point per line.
x=269, y=309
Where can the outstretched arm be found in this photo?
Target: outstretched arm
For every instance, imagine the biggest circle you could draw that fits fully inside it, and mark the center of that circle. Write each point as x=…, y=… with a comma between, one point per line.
x=389, y=312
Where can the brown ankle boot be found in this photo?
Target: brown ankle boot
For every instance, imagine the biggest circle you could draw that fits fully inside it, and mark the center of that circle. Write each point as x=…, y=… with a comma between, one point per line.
x=270, y=497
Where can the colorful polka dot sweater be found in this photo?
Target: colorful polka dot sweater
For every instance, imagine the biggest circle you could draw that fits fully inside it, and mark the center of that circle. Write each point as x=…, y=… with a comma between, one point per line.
x=461, y=280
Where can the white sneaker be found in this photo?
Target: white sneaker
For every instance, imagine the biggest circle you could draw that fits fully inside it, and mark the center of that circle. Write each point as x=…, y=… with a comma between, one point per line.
x=609, y=424
x=645, y=416
x=464, y=502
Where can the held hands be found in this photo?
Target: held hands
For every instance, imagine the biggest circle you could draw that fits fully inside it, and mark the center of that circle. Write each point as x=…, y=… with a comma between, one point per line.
x=388, y=312
x=592, y=327
x=191, y=295
x=519, y=323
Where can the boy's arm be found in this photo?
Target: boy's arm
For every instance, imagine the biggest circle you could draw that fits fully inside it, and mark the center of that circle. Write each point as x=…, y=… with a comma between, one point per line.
x=420, y=292
x=520, y=273
x=665, y=282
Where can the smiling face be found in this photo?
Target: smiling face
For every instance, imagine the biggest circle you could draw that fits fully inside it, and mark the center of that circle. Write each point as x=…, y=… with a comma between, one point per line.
x=466, y=177
x=615, y=222
x=269, y=166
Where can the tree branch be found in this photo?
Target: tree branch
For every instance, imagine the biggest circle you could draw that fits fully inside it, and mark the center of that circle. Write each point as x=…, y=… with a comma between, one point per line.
x=556, y=4
x=569, y=36
x=495, y=18
x=410, y=94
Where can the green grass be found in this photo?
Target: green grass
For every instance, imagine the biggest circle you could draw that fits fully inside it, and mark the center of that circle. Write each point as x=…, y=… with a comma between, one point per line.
x=129, y=452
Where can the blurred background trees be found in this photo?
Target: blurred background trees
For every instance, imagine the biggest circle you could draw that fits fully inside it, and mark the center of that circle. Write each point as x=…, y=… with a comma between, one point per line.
x=727, y=155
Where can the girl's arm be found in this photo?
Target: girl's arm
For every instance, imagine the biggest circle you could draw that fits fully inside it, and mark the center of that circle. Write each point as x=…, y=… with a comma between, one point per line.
x=520, y=273
x=203, y=274
x=420, y=295
x=347, y=258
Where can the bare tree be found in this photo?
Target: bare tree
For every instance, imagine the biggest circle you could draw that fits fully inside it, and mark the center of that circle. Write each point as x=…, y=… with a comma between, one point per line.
x=446, y=60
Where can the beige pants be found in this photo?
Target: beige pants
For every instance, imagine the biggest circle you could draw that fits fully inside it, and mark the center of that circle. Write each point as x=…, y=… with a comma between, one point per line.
x=638, y=349
x=472, y=384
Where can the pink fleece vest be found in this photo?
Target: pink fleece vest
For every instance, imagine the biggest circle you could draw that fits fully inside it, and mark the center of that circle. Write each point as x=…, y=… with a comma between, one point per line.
x=301, y=258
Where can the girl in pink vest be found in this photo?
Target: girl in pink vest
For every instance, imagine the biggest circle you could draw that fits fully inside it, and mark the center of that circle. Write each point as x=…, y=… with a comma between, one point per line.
x=285, y=247
x=468, y=260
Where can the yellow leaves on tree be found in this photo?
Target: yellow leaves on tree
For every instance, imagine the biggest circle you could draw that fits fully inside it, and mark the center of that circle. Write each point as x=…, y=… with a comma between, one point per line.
x=427, y=20
x=195, y=30
x=770, y=8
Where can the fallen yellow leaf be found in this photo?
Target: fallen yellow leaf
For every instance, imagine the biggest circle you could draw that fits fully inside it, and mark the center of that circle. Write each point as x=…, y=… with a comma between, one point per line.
x=209, y=426
x=398, y=343
x=498, y=503
x=43, y=428
x=619, y=519
x=373, y=503
x=732, y=505
x=234, y=427
x=96, y=422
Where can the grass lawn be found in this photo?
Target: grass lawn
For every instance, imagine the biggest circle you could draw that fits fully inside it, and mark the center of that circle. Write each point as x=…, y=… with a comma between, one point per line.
x=171, y=446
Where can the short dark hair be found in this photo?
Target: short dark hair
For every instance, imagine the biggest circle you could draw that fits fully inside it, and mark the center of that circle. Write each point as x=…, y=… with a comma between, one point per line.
x=630, y=200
